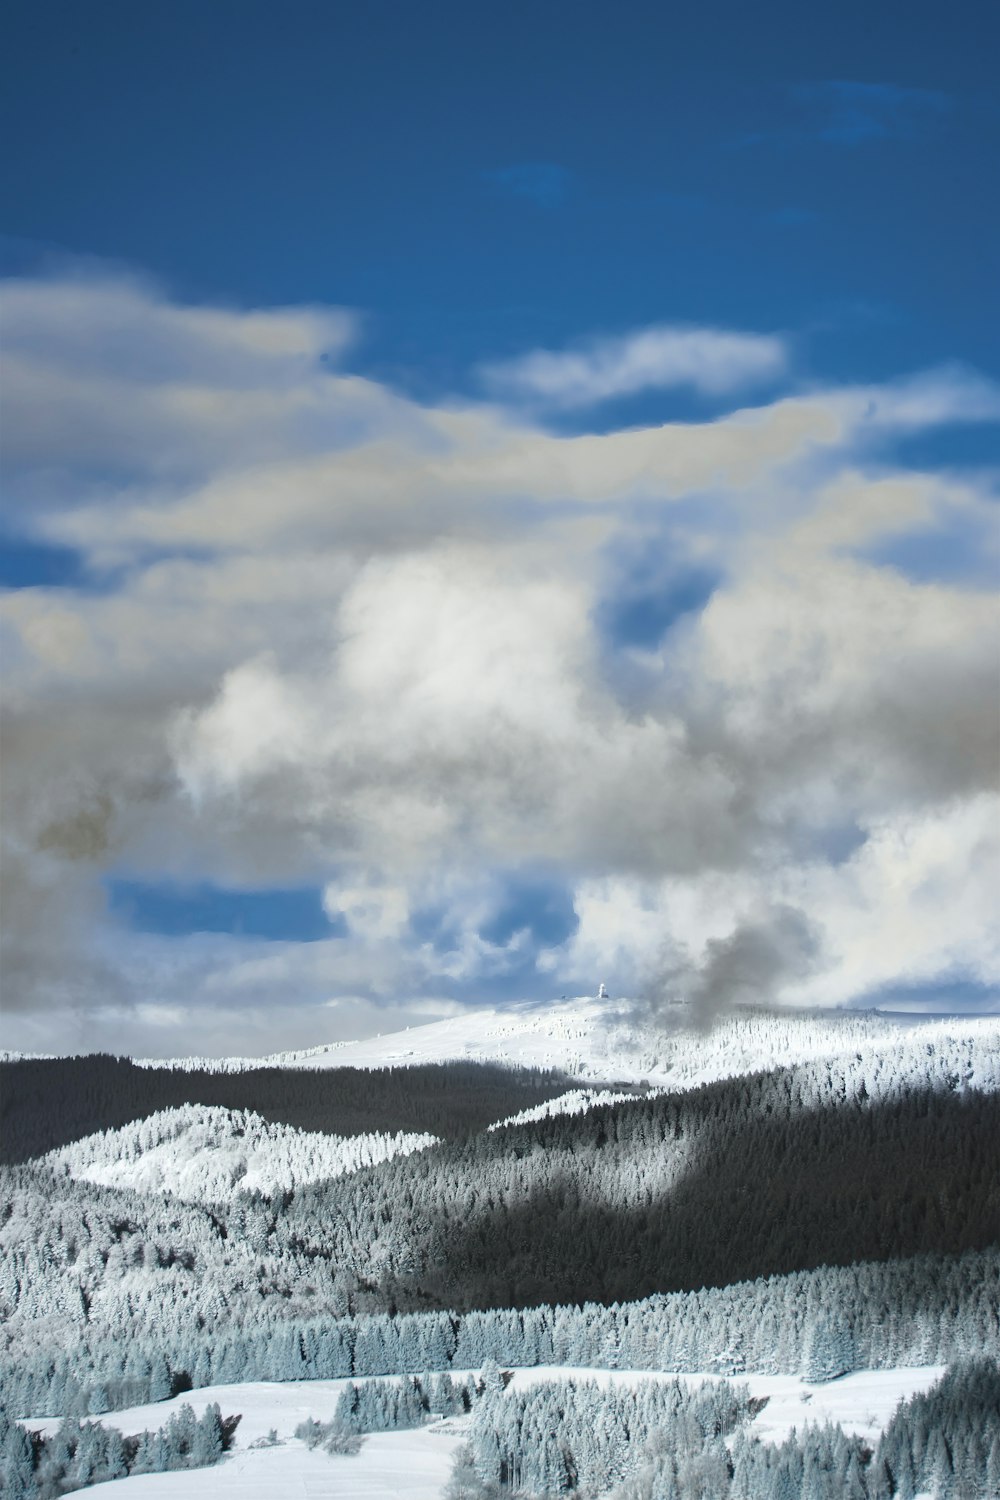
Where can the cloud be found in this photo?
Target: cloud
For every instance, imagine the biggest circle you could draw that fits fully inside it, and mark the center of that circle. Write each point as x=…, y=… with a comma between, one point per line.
x=375, y=913
x=108, y=381
x=712, y=361
x=531, y=710
x=933, y=398
x=128, y=330
x=911, y=907
x=542, y=182
x=748, y=966
x=847, y=112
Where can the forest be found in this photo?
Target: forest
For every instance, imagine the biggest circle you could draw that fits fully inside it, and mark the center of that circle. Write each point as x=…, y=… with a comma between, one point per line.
x=101, y=1092
x=835, y=1214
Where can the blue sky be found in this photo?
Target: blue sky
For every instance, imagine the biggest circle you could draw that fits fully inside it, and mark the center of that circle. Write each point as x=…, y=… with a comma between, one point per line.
x=483, y=179
x=495, y=499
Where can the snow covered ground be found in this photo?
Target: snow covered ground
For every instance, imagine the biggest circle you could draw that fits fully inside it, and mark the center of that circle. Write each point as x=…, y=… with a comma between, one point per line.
x=262, y=1405
x=861, y=1403
x=201, y=1153
x=414, y=1465
x=391, y=1466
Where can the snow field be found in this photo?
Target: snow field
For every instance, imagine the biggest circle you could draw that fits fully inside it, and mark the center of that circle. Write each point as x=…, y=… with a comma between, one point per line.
x=262, y=1405
x=415, y=1464
x=412, y=1465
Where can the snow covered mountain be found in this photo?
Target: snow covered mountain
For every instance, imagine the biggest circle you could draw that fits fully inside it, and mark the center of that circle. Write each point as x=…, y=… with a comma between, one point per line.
x=599, y=1041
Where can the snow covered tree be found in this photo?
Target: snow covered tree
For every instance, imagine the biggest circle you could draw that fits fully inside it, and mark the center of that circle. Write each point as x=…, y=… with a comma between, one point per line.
x=828, y=1349
x=16, y=1460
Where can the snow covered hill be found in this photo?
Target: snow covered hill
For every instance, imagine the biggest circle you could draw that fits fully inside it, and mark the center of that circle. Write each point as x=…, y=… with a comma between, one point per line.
x=608, y=1042
x=202, y=1153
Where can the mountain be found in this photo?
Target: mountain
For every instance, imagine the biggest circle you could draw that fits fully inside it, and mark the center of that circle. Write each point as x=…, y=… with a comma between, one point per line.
x=600, y=1041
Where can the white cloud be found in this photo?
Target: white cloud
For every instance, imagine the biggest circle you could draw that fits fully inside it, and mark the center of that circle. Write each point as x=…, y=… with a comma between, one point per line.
x=712, y=361
x=374, y=913
x=916, y=903
x=950, y=394
x=129, y=330
x=256, y=724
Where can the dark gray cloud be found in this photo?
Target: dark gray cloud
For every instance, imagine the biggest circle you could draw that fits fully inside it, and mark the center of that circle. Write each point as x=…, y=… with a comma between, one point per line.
x=750, y=966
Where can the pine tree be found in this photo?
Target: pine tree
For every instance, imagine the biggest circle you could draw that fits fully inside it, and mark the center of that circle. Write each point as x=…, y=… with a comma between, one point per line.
x=829, y=1349
x=159, y=1378
x=115, y=1455
x=464, y=1482
x=992, y=1474
x=207, y=1444
x=16, y=1459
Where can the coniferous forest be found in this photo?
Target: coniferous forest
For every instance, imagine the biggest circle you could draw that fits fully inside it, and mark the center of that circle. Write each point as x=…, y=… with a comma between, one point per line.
x=168, y=1230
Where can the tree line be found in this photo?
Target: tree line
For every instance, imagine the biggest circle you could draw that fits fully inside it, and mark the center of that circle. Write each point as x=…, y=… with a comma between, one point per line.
x=928, y=1310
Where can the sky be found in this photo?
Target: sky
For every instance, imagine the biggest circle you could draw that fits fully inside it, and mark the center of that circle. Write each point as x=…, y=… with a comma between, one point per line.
x=495, y=500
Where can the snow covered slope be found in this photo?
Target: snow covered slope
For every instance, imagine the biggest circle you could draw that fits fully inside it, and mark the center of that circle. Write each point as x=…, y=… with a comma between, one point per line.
x=602, y=1041
x=574, y=1102
x=202, y=1153
x=413, y=1465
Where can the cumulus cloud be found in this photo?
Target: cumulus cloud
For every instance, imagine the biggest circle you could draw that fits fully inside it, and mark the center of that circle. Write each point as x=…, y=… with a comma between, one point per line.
x=361, y=644
x=377, y=913
x=712, y=361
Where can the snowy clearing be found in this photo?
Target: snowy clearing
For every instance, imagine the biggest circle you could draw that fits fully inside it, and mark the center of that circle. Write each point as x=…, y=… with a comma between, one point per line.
x=861, y=1403
x=416, y=1463
x=413, y=1464
x=262, y=1405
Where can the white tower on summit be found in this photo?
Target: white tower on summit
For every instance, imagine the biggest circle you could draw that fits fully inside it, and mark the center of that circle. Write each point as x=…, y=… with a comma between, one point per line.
x=602, y=991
